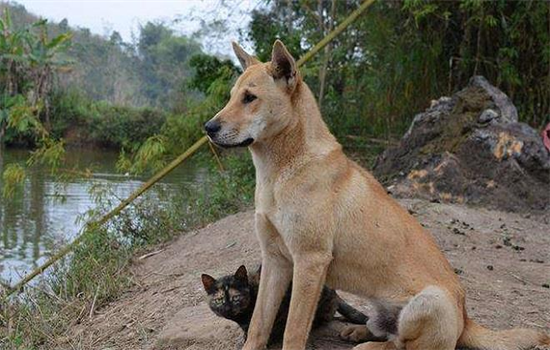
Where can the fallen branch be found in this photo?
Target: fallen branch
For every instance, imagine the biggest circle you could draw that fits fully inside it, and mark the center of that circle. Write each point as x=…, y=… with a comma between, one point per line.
x=148, y=255
x=92, y=308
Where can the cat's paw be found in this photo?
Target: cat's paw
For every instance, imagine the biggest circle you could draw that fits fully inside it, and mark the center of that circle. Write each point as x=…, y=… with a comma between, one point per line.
x=355, y=333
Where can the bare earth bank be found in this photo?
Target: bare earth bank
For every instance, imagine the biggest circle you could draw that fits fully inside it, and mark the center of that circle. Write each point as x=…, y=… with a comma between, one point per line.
x=503, y=259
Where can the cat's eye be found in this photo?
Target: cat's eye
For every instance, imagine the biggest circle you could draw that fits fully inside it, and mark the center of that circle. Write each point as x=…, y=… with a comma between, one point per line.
x=235, y=298
x=248, y=97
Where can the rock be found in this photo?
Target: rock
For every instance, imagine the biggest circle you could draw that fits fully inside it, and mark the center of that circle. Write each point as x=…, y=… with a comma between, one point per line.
x=470, y=148
x=488, y=115
x=196, y=327
x=509, y=113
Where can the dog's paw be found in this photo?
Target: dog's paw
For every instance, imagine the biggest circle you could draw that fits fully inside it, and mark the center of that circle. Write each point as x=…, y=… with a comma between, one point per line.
x=355, y=333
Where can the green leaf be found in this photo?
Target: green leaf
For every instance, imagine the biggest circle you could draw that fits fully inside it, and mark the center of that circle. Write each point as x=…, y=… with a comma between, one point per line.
x=59, y=40
x=13, y=177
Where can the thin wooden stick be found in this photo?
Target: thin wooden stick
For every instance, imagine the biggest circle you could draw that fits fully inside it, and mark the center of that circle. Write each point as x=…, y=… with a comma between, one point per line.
x=92, y=308
x=216, y=157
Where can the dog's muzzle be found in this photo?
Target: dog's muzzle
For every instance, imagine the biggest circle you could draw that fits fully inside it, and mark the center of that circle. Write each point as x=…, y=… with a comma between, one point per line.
x=212, y=129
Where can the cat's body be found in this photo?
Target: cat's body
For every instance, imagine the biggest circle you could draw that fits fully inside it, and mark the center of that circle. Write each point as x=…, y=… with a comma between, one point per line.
x=234, y=296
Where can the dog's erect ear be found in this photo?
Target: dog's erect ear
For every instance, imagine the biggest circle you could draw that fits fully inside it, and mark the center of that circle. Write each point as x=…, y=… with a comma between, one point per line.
x=208, y=282
x=242, y=274
x=245, y=59
x=283, y=65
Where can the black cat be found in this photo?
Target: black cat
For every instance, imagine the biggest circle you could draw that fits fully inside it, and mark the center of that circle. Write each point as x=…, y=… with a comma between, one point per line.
x=234, y=296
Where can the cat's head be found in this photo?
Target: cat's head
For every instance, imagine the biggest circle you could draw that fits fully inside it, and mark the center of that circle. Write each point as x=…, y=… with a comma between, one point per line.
x=228, y=296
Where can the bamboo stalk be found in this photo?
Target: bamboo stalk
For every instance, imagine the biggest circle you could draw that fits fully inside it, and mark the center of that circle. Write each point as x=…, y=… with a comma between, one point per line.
x=161, y=174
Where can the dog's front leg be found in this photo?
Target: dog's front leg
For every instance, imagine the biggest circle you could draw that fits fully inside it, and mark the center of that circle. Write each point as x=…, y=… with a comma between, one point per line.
x=309, y=277
x=274, y=281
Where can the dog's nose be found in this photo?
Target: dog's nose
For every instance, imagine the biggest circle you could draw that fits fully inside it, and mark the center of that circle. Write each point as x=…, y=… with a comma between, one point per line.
x=212, y=127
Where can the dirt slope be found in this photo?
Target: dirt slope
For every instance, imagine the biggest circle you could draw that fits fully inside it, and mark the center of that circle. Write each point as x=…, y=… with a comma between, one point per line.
x=502, y=258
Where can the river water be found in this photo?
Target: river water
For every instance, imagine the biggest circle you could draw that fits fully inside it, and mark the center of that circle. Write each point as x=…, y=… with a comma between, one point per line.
x=44, y=214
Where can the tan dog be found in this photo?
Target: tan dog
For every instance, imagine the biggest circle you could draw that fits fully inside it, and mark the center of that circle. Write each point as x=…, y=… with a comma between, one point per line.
x=320, y=217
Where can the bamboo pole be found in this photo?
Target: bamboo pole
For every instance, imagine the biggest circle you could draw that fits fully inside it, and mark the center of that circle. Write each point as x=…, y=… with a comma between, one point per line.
x=158, y=176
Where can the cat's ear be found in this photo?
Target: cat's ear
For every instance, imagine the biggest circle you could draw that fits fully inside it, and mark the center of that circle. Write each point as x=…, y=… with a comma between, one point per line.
x=242, y=274
x=208, y=282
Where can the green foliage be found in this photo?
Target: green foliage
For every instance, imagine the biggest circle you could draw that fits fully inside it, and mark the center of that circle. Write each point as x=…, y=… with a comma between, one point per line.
x=83, y=121
x=150, y=155
x=164, y=63
x=180, y=131
x=50, y=153
x=208, y=69
x=127, y=127
x=91, y=276
x=230, y=191
x=375, y=76
x=85, y=271
x=29, y=58
x=504, y=41
x=13, y=175
x=265, y=28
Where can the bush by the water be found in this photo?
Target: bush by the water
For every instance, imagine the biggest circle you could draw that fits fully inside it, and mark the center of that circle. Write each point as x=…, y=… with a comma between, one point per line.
x=81, y=121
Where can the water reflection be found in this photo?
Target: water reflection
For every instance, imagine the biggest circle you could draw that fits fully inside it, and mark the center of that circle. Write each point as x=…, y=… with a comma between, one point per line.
x=43, y=216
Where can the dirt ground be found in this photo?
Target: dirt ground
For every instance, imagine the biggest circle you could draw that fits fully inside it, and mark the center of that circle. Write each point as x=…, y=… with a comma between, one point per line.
x=503, y=259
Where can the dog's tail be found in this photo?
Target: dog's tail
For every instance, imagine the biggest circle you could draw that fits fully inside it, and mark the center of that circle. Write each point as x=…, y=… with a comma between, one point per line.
x=350, y=313
x=478, y=337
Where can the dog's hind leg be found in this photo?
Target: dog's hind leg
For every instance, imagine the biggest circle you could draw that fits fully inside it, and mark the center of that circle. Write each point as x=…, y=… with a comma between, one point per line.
x=430, y=321
x=274, y=281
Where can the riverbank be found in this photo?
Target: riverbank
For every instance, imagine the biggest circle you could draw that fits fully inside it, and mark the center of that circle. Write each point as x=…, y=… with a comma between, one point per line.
x=95, y=273
x=501, y=258
x=43, y=213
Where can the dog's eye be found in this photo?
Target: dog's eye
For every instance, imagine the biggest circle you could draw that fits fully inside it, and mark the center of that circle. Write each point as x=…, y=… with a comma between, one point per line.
x=248, y=97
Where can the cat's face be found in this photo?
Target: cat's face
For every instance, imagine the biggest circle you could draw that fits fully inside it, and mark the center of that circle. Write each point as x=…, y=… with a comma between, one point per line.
x=228, y=296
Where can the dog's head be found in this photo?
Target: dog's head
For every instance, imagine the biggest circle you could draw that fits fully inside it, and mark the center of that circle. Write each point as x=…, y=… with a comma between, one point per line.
x=260, y=105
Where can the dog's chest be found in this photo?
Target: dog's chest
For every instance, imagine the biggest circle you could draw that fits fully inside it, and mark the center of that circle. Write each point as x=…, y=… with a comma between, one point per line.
x=277, y=213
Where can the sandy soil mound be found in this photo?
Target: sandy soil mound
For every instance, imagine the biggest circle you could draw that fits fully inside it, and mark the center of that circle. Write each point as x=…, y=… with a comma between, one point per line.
x=502, y=259
x=470, y=148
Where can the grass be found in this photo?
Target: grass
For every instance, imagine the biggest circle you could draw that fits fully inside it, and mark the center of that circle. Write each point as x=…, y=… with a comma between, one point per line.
x=91, y=277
